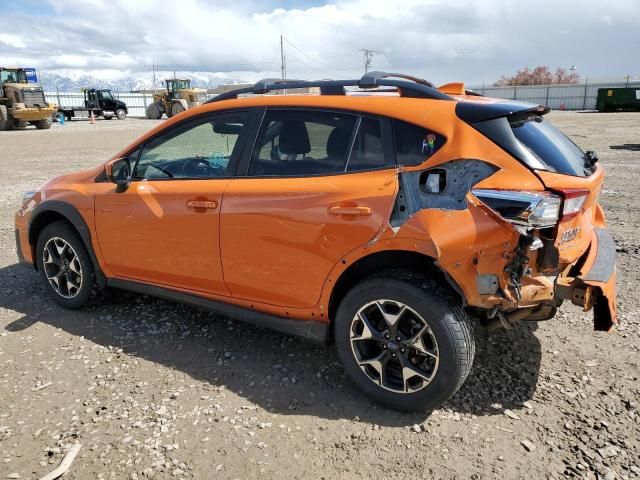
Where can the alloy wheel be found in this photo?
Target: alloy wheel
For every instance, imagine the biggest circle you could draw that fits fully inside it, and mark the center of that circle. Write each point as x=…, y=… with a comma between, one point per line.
x=62, y=267
x=394, y=346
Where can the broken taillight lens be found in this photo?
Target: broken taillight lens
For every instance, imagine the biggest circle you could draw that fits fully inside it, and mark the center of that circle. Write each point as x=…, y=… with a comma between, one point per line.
x=573, y=202
x=535, y=209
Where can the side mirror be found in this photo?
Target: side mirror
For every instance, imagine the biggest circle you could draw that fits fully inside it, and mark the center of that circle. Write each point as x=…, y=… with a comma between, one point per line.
x=119, y=172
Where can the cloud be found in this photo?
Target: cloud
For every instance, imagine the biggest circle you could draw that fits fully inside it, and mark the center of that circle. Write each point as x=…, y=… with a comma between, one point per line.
x=11, y=40
x=466, y=40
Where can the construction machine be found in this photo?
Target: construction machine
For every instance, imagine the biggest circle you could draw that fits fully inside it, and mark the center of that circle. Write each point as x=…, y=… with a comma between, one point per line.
x=22, y=103
x=177, y=97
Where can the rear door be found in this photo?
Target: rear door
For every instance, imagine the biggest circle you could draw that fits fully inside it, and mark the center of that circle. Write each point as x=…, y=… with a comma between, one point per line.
x=316, y=186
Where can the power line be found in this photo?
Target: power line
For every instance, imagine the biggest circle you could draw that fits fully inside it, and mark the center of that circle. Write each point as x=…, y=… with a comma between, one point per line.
x=309, y=57
x=273, y=59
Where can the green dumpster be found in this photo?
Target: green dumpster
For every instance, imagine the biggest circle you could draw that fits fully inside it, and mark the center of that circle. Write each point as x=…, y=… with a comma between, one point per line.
x=612, y=99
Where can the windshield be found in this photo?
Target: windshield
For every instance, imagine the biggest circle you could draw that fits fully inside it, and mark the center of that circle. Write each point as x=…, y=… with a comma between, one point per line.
x=178, y=85
x=13, y=76
x=551, y=146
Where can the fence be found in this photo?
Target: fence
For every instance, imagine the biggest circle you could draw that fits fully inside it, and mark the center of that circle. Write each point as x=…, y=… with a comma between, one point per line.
x=136, y=102
x=570, y=97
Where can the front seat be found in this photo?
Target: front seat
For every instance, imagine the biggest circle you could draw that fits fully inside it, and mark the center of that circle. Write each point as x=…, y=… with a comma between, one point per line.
x=293, y=140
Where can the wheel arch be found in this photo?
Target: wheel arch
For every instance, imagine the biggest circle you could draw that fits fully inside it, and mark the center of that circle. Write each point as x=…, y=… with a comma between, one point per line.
x=53, y=211
x=377, y=262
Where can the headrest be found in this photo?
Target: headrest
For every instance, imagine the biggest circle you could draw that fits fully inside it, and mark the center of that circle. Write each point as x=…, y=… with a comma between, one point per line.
x=338, y=142
x=294, y=138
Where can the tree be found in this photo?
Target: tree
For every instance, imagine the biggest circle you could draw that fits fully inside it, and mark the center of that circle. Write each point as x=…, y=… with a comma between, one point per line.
x=541, y=75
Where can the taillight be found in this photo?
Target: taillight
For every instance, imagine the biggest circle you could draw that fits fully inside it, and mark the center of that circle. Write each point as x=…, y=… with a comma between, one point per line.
x=573, y=202
x=535, y=209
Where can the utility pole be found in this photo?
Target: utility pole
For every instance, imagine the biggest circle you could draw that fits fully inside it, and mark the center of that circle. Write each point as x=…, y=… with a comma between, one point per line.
x=153, y=69
x=368, y=57
x=283, y=65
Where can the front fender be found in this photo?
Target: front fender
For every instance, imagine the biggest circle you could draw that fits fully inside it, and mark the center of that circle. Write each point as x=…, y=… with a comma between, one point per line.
x=40, y=217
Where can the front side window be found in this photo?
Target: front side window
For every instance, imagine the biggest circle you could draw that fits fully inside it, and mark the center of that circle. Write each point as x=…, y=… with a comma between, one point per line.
x=200, y=149
x=105, y=95
x=301, y=143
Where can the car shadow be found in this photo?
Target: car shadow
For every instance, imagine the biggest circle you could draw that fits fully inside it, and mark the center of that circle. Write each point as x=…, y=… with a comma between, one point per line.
x=281, y=374
x=634, y=147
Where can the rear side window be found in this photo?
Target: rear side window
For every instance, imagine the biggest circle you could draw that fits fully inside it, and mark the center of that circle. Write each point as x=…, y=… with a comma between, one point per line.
x=368, y=152
x=414, y=144
x=298, y=143
x=551, y=146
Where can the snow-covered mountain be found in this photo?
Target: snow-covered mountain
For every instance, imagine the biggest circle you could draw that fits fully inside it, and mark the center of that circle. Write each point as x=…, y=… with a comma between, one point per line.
x=52, y=81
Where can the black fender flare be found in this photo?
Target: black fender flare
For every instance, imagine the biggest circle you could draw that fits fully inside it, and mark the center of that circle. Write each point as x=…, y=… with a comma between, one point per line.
x=37, y=221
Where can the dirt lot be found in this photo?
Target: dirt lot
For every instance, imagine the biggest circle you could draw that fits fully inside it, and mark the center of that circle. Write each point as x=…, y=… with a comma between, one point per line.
x=154, y=389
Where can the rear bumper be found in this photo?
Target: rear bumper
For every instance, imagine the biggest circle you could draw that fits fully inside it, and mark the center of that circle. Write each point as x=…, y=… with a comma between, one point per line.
x=595, y=285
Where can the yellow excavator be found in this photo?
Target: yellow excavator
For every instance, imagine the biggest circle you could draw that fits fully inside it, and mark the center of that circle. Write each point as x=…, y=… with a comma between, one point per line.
x=176, y=98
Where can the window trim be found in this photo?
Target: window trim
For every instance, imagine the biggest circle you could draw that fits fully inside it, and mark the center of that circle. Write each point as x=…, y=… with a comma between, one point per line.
x=386, y=130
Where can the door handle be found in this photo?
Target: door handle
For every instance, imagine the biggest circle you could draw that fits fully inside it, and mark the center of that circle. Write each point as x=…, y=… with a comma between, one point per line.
x=359, y=211
x=202, y=204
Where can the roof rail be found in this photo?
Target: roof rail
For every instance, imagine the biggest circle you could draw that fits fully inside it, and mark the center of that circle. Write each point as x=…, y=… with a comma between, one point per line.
x=372, y=79
x=407, y=86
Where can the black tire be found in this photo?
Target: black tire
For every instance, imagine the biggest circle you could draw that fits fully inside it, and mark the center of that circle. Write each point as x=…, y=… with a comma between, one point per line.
x=154, y=112
x=176, y=108
x=88, y=290
x=59, y=117
x=121, y=114
x=44, y=124
x=450, y=328
x=6, y=120
x=20, y=124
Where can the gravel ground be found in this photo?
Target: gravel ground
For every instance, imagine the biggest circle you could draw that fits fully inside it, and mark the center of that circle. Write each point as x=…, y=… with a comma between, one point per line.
x=153, y=389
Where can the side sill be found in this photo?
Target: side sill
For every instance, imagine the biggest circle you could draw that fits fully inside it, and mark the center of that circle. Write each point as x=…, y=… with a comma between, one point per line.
x=313, y=331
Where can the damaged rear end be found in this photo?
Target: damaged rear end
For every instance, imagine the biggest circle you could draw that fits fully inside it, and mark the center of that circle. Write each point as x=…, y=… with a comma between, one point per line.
x=515, y=242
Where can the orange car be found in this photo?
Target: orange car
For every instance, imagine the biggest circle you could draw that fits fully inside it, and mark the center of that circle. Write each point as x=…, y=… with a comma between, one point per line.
x=382, y=214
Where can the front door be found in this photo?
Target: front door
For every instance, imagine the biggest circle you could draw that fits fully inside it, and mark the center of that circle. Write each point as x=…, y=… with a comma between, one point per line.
x=318, y=185
x=164, y=228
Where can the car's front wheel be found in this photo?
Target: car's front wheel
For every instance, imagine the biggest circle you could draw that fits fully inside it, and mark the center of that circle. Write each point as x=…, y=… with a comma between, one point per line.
x=404, y=341
x=65, y=266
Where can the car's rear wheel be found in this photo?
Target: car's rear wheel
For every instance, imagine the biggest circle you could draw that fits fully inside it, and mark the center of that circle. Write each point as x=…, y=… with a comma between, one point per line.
x=65, y=266
x=404, y=341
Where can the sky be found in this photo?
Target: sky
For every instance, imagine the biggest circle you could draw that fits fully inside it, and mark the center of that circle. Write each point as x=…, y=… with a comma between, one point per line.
x=473, y=41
